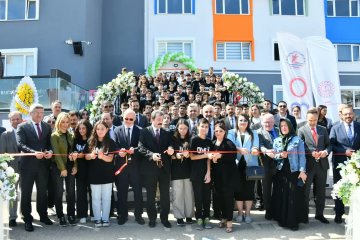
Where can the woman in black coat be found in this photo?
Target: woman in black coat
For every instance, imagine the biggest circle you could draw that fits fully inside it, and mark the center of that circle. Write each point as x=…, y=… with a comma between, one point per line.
x=224, y=175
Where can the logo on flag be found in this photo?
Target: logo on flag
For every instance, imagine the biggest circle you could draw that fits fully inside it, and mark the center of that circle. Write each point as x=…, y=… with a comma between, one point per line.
x=296, y=59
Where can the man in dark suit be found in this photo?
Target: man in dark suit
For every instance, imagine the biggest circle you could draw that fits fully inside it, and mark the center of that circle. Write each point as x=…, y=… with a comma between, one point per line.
x=127, y=138
x=316, y=139
x=193, y=113
x=154, y=145
x=2, y=130
x=230, y=120
x=8, y=144
x=267, y=134
x=283, y=113
x=345, y=139
x=140, y=119
x=33, y=136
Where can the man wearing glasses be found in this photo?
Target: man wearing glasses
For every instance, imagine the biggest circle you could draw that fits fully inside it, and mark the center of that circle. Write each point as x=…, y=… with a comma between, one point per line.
x=283, y=113
x=127, y=138
x=108, y=107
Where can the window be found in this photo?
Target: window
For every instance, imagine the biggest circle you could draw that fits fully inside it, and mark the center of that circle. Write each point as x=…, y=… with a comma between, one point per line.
x=232, y=7
x=276, y=52
x=343, y=8
x=175, y=6
x=350, y=95
x=19, y=10
x=233, y=51
x=20, y=62
x=175, y=46
x=348, y=52
x=288, y=7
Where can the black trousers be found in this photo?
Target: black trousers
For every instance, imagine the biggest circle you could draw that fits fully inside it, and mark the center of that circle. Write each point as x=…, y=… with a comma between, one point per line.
x=267, y=185
x=59, y=190
x=316, y=175
x=202, y=195
x=50, y=192
x=339, y=205
x=34, y=171
x=150, y=182
x=129, y=176
x=82, y=190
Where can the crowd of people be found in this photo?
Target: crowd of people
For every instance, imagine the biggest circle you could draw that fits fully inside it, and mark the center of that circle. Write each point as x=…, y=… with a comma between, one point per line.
x=188, y=142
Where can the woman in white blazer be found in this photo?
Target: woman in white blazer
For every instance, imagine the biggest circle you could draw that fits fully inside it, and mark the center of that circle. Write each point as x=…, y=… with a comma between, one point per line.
x=247, y=144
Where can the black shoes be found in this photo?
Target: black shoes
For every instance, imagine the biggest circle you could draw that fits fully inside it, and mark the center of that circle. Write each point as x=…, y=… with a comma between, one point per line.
x=166, y=224
x=338, y=219
x=29, y=227
x=322, y=219
x=12, y=223
x=46, y=221
x=180, y=222
x=152, y=224
x=188, y=221
x=72, y=220
x=62, y=222
x=268, y=216
x=140, y=220
x=295, y=228
x=122, y=220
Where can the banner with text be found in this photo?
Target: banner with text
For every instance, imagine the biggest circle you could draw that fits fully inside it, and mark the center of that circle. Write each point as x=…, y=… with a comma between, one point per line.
x=295, y=73
x=324, y=74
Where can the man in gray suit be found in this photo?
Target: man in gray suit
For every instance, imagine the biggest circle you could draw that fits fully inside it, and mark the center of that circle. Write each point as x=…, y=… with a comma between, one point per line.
x=267, y=134
x=317, y=148
x=8, y=144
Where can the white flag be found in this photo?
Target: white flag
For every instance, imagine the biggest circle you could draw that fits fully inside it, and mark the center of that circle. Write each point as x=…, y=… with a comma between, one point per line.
x=295, y=72
x=324, y=74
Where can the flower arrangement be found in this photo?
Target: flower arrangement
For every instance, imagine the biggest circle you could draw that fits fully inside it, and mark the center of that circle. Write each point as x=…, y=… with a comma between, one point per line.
x=25, y=95
x=168, y=57
x=108, y=92
x=8, y=178
x=350, y=178
x=249, y=90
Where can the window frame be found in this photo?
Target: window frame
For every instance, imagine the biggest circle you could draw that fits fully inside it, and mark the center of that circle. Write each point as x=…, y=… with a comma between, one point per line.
x=183, y=41
x=296, y=9
x=21, y=52
x=353, y=89
x=334, y=8
x=26, y=13
x=352, y=45
x=241, y=53
x=240, y=9
x=182, y=6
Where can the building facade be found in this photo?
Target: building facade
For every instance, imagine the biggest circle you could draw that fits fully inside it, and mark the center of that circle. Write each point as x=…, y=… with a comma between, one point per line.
x=239, y=35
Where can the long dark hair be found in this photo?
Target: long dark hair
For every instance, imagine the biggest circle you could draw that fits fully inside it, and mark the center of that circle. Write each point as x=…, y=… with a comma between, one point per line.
x=94, y=139
x=248, y=129
x=222, y=125
x=88, y=127
x=177, y=133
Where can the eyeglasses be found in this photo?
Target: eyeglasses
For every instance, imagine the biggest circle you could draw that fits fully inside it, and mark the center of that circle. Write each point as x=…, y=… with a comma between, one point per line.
x=282, y=106
x=51, y=122
x=243, y=120
x=129, y=119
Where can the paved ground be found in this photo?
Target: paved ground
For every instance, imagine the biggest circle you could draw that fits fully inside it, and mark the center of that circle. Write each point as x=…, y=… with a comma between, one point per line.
x=259, y=229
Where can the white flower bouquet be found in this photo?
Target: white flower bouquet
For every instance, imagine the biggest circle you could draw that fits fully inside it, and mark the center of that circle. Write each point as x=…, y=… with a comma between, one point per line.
x=240, y=85
x=8, y=178
x=350, y=173
x=108, y=92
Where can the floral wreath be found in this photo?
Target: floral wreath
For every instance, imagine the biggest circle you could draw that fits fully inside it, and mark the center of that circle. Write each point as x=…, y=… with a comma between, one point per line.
x=8, y=179
x=168, y=57
x=25, y=95
x=109, y=91
x=241, y=86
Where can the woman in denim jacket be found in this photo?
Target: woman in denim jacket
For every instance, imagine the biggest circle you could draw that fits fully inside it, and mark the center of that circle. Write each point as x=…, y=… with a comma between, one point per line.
x=288, y=199
x=247, y=144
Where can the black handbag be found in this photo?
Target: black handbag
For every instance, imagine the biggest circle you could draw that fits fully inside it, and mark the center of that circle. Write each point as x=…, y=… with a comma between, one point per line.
x=255, y=172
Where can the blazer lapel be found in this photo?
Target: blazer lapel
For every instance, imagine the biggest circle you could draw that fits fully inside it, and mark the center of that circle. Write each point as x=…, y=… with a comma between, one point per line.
x=32, y=129
x=342, y=128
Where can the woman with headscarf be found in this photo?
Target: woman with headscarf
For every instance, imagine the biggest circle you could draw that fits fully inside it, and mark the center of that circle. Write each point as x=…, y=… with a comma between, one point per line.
x=288, y=199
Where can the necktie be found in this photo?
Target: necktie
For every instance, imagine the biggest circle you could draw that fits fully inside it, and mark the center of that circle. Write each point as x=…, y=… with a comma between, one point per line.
x=38, y=130
x=349, y=134
x=157, y=135
x=128, y=138
x=231, y=122
x=272, y=134
x=137, y=119
x=209, y=132
x=313, y=133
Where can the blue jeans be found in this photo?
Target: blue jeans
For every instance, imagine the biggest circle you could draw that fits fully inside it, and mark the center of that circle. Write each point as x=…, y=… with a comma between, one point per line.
x=101, y=200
